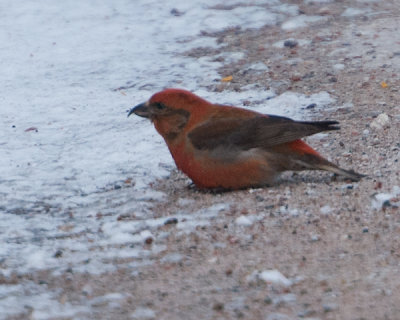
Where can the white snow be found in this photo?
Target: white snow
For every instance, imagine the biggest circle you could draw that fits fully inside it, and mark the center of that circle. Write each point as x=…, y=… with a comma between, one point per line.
x=339, y=66
x=42, y=305
x=351, y=12
x=326, y=209
x=111, y=299
x=143, y=313
x=274, y=277
x=174, y=257
x=243, y=221
x=380, y=199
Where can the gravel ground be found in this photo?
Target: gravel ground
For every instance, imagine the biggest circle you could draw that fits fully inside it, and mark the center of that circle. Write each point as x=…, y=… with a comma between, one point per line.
x=336, y=248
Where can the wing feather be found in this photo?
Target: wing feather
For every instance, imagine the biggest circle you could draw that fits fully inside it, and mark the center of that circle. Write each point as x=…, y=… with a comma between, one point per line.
x=256, y=132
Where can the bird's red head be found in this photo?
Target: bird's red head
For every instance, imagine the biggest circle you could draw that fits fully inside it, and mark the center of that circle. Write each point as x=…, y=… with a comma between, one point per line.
x=171, y=110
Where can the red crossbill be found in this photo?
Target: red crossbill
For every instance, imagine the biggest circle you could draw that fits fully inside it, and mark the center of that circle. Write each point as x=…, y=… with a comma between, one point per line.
x=219, y=146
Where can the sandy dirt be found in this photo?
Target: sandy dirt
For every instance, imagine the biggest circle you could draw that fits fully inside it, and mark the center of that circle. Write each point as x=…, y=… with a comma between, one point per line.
x=340, y=255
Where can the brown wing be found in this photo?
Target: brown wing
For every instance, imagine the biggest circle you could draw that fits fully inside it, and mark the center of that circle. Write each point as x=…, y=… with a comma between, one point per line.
x=256, y=132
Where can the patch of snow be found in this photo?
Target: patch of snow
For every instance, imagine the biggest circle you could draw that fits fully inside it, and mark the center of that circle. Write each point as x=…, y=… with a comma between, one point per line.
x=243, y=221
x=274, y=277
x=327, y=209
x=291, y=211
x=351, y=12
x=110, y=299
x=231, y=57
x=258, y=66
x=143, y=313
x=172, y=258
x=184, y=202
x=18, y=299
x=292, y=103
x=277, y=316
x=284, y=298
x=339, y=66
x=314, y=237
x=381, y=199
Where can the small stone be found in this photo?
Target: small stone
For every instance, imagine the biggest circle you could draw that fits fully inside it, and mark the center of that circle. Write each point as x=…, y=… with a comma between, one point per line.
x=267, y=300
x=290, y=43
x=171, y=221
x=382, y=121
x=175, y=12
x=218, y=306
x=58, y=254
x=329, y=307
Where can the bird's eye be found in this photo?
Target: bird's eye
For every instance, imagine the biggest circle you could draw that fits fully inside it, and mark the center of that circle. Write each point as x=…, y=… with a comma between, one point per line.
x=159, y=106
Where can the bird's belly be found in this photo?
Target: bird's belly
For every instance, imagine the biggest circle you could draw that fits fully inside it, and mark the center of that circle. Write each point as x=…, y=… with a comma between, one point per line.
x=208, y=171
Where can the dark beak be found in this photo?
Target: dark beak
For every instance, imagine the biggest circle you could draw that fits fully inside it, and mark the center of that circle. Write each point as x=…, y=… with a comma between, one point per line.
x=141, y=110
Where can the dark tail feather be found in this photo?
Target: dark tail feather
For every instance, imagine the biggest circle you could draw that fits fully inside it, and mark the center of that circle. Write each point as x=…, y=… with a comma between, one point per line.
x=323, y=125
x=351, y=174
x=318, y=163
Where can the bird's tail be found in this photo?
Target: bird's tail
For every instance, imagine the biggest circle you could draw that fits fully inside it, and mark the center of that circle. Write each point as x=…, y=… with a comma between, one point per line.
x=350, y=174
x=317, y=162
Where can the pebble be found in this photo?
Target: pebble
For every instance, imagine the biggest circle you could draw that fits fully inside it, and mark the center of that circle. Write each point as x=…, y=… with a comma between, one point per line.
x=328, y=307
x=218, y=306
x=290, y=43
x=58, y=254
x=382, y=121
x=171, y=221
x=175, y=12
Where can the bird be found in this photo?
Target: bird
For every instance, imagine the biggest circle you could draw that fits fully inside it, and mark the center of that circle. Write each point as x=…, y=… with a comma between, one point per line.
x=229, y=148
